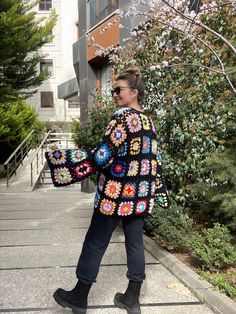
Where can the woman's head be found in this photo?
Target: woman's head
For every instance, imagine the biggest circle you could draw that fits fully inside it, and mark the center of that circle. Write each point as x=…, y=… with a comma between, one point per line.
x=129, y=88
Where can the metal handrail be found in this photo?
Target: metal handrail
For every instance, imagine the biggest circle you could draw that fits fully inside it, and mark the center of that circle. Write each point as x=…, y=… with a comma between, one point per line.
x=60, y=137
x=15, y=160
x=18, y=148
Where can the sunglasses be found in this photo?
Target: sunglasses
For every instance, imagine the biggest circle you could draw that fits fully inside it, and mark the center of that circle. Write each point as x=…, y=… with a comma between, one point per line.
x=117, y=90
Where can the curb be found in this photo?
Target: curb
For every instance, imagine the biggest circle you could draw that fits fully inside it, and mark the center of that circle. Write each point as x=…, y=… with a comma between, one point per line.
x=203, y=290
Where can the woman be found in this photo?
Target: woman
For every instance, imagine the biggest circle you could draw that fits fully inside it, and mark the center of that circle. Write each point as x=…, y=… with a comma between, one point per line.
x=129, y=175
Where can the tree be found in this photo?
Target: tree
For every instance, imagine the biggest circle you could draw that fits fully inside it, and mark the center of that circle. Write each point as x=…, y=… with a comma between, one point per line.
x=21, y=37
x=17, y=119
x=188, y=62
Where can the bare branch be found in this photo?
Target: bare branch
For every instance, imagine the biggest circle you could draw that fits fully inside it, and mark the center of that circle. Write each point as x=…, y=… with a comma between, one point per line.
x=210, y=48
x=198, y=23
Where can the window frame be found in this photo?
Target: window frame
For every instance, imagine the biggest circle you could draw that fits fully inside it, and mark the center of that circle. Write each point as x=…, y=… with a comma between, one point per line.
x=41, y=99
x=44, y=4
x=47, y=61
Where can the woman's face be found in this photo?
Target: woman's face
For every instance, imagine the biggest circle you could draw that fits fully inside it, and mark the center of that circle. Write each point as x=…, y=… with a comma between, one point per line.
x=123, y=95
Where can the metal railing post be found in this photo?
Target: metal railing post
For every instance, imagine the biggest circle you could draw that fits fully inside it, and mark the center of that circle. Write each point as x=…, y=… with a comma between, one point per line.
x=15, y=164
x=7, y=170
x=21, y=156
x=37, y=163
x=31, y=173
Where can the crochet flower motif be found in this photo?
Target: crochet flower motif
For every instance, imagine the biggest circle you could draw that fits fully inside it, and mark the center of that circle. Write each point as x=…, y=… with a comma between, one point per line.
x=133, y=122
x=161, y=199
x=146, y=145
x=159, y=183
x=118, y=135
x=145, y=122
x=143, y=188
x=57, y=157
x=122, y=150
x=133, y=168
x=113, y=189
x=154, y=167
x=118, y=169
x=101, y=181
x=145, y=167
x=135, y=145
x=141, y=207
x=154, y=146
x=153, y=188
x=83, y=169
x=107, y=207
x=62, y=175
x=102, y=155
x=110, y=126
x=125, y=208
x=129, y=190
x=77, y=155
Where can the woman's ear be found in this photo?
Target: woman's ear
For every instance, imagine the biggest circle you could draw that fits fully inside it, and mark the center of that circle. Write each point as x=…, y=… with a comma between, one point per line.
x=135, y=93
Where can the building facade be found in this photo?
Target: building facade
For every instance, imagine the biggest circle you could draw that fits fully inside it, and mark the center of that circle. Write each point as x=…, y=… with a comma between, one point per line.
x=58, y=61
x=91, y=70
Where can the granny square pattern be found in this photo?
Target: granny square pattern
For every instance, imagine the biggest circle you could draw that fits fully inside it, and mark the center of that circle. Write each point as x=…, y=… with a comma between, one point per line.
x=128, y=164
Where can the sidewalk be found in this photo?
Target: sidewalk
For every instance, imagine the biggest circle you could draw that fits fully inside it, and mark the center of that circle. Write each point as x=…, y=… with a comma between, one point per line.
x=41, y=235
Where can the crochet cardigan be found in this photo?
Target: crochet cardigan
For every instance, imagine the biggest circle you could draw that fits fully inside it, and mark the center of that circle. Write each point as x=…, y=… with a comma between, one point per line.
x=128, y=164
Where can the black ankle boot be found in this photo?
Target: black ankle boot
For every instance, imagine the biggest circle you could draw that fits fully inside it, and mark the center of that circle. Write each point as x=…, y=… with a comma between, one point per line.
x=76, y=299
x=130, y=299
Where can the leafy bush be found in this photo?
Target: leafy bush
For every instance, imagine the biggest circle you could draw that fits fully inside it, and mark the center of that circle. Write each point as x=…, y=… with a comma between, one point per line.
x=88, y=136
x=17, y=119
x=172, y=225
x=213, y=246
x=221, y=283
x=217, y=196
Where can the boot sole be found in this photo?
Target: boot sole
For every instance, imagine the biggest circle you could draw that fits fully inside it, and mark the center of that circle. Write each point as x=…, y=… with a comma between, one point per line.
x=125, y=307
x=62, y=303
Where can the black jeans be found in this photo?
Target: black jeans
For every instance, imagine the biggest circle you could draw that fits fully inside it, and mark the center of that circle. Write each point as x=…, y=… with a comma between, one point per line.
x=97, y=240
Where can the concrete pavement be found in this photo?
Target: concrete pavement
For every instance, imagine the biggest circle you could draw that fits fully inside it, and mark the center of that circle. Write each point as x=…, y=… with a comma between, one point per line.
x=41, y=235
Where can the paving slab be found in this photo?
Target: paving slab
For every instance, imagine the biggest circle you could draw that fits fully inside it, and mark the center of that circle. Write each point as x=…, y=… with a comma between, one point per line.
x=46, y=223
x=146, y=309
x=42, y=214
x=41, y=235
x=57, y=255
x=35, y=288
x=57, y=236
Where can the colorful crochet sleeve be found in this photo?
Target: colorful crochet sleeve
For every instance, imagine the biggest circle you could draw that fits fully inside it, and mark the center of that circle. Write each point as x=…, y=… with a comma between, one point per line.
x=69, y=166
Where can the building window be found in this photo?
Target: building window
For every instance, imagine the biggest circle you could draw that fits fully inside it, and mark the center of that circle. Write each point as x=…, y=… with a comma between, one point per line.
x=47, y=100
x=46, y=65
x=73, y=102
x=100, y=9
x=45, y=5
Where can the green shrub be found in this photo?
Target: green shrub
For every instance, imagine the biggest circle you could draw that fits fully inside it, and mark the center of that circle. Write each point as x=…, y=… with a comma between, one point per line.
x=89, y=135
x=224, y=282
x=223, y=285
x=218, y=194
x=17, y=120
x=213, y=246
x=172, y=225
